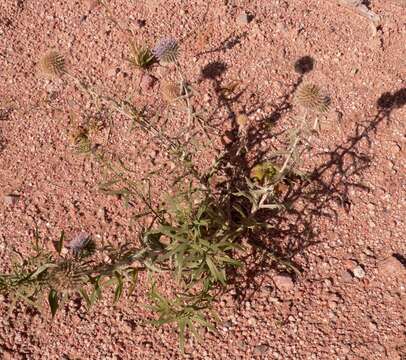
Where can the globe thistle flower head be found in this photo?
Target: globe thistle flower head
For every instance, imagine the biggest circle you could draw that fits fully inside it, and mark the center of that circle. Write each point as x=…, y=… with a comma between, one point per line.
x=53, y=64
x=80, y=242
x=311, y=97
x=166, y=50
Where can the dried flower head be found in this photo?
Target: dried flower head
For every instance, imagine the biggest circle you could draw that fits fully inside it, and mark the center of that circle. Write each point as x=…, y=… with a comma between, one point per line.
x=166, y=50
x=263, y=171
x=242, y=120
x=80, y=140
x=96, y=124
x=79, y=243
x=68, y=276
x=52, y=64
x=311, y=97
x=170, y=91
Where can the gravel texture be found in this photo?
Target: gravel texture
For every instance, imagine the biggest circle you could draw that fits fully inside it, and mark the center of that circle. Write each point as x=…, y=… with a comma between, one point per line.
x=349, y=301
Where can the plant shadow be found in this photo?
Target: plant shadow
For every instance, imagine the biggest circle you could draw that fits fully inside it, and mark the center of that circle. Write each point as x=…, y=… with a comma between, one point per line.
x=227, y=44
x=319, y=195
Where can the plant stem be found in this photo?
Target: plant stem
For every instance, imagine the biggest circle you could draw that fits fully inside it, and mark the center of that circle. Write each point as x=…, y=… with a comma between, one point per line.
x=293, y=147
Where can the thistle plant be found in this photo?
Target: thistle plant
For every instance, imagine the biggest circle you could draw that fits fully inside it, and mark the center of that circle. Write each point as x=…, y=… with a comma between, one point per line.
x=81, y=244
x=200, y=240
x=196, y=236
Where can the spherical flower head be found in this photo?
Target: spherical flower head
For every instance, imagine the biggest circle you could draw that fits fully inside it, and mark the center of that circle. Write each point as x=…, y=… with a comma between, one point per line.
x=311, y=97
x=170, y=91
x=166, y=50
x=79, y=243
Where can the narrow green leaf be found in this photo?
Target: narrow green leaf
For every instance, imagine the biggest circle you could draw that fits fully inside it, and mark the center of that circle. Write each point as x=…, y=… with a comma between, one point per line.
x=182, y=327
x=119, y=288
x=193, y=330
x=53, y=301
x=218, y=276
x=59, y=244
x=85, y=296
x=134, y=278
x=96, y=293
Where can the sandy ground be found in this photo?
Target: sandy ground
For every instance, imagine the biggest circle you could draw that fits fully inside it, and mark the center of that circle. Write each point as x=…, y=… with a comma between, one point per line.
x=349, y=302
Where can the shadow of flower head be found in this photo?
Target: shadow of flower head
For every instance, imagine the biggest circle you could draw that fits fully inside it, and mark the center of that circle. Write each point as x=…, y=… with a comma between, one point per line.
x=392, y=101
x=213, y=70
x=304, y=65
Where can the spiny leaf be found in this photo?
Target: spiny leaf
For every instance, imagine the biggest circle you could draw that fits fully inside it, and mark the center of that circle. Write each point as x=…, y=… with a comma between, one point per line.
x=134, y=278
x=86, y=297
x=119, y=288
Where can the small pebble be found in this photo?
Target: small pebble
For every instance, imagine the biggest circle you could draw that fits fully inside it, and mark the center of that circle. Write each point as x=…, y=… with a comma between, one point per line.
x=345, y=349
x=261, y=349
x=153, y=154
x=11, y=199
x=101, y=213
x=391, y=266
x=91, y=4
x=372, y=326
x=358, y=272
x=283, y=282
x=328, y=282
x=243, y=18
x=346, y=276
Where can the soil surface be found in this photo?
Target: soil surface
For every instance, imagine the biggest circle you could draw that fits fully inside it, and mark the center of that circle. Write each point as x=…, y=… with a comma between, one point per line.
x=349, y=301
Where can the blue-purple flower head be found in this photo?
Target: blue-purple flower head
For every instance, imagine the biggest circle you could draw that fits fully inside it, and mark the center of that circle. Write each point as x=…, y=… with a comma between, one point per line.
x=166, y=50
x=80, y=242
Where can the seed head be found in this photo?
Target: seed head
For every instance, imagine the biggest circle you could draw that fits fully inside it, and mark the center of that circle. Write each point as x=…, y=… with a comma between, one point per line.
x=170, y=91
x=311, y=97
x=80, y=140
x=242, y=120
x=52, y=64
x=166, y=50
x=67, y=276
x=263, y=171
